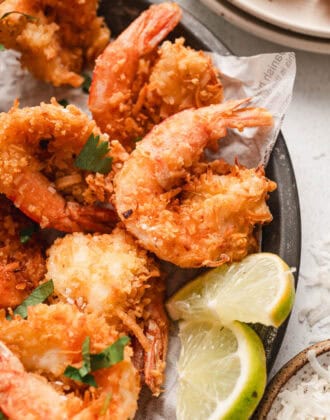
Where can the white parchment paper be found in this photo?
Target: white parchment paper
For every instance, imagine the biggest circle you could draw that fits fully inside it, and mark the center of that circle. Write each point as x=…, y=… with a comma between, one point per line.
x=268, y=79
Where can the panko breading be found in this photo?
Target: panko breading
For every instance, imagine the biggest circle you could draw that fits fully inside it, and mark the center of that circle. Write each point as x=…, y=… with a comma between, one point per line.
x=22, y=266
x=180, y=78
x=193, y=222
x=56, y=39
x=38, y=147
x=52, y=336
x=135, y=86
x=102, y=272
x=166, y=82
x=111, y=275
x=50, y=339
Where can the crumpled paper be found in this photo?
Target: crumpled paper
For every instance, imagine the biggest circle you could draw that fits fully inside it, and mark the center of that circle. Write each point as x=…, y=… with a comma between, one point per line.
x=268, y=79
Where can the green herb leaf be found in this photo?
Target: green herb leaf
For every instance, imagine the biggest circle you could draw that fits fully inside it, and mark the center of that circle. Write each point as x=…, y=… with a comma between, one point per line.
x=92, y=156
x=74, y=373
x=28, y=17
x=92, y=362
x=39, y=295
x=106, y=403
x=86, y=367
x=26, y=233
x=63, y=102
x=2, y=48
x=83, y=374
x=138, y=139
x=111, y=355
x=86, y=83
x=3, y=416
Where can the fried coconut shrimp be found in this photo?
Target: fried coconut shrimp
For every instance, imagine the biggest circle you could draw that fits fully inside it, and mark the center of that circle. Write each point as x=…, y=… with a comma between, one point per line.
x=38, y=351
x=22, y=266
x=111, y=275
x=55, y=37
x=135, y=86
x=38, y=146
x=187, y=219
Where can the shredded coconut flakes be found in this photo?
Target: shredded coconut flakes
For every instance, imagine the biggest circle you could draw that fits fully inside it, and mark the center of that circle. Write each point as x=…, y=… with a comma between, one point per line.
x=309, y=399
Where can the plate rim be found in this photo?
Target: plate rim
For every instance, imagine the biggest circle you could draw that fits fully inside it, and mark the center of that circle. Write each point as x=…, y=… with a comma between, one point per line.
x=283, y=22
x=257, y=27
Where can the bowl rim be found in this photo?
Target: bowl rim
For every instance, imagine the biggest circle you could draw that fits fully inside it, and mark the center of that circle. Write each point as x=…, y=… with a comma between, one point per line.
x=285, y=374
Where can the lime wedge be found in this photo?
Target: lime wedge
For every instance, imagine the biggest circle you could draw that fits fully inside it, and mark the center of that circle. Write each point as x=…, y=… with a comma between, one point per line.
x=260, y=288
x=222, y=371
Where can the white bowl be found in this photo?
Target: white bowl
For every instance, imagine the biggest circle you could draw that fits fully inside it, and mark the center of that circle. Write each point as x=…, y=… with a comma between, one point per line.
x=266, y=31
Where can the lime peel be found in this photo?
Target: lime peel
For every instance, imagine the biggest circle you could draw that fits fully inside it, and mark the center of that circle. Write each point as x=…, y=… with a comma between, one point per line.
x=249, y=386
x=260, y=289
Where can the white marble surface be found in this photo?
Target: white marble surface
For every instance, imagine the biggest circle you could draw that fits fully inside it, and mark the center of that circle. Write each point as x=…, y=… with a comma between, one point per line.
x=307, y=132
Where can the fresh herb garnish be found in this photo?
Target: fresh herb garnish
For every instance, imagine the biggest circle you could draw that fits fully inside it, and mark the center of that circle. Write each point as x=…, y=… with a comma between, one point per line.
x=26, y=233
x=73, y=373
x=138, y=139
x=106, y=403
x=2, y=48
x=86, y=84
x=63, y=102
x=28, y=17
x=92, y=362
x=39, y=295
x=92, y=156
x=111, y=355
x=3, y=416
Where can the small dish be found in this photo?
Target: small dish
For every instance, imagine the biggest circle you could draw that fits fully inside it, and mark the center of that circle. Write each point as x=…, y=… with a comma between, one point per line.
x=294, y=372
x=270, y=32
x=305, y=17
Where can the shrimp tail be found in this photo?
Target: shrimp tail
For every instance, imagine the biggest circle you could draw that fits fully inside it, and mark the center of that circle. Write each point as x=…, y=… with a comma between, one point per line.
x=152, y=26
x=37, y=200
x=157, y=333
x=229, y=115
x=116, y=67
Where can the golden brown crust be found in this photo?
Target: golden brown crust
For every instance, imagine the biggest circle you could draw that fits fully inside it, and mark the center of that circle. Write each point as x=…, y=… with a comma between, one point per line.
x=167, y=81
x=61, y=38
x=22, y=266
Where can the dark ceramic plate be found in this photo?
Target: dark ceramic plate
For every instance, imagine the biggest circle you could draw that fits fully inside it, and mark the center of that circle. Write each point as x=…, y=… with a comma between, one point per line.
x=283, y=235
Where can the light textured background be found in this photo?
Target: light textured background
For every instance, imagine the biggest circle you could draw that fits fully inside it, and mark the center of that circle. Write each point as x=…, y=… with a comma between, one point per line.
x=307, y=132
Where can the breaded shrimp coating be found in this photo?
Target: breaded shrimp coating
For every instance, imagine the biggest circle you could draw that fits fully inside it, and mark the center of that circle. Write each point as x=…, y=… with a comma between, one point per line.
x=137, y=85
x=45, y=343
x=111, y=275
x=38, y=171
x=104, y=272
x=181, y=78
x=188, y=220
x=22, y=266
x=56, y=38
x=52, y=336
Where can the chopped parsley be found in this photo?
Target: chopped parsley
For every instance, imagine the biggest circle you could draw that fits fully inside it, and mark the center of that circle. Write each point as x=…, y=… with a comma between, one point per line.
x=82, y=374
x=26, y=233
x=28, y=17
x=86, y=84
x=3, y=416
x=111, y=355
x=92, y=362
x=63, y=102
x=2, y=48
x=138, y=139
x=92, y=156
x=39, y=295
